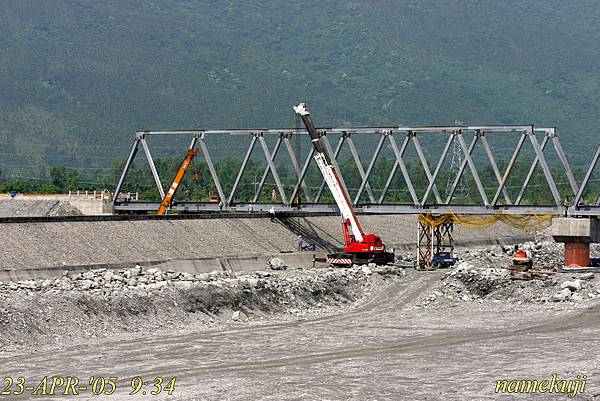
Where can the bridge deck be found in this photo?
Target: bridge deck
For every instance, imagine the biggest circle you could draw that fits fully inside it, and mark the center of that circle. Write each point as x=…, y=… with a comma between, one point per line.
x=317, y=208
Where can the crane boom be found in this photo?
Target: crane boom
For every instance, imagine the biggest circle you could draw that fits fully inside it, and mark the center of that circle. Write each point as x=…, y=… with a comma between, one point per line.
x=330, y=174
x=185, y=164
x=360, y=247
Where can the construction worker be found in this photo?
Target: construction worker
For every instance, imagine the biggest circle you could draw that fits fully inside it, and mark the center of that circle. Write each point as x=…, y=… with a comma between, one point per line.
x=272, y=213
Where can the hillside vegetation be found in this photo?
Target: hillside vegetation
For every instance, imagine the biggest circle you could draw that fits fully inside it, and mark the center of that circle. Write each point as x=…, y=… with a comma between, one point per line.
x=78, y=77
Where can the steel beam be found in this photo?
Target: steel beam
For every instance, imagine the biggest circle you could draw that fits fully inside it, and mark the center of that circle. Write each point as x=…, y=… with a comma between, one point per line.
x=241, y=171
x=509, y=167
x=461, y=170
x=270, y=160
x=294, y=161
x=267, y=168
x=132, y=153
x=438, y=167
x=544, y=165
x=309, y=208
x=403, y=169
x=365, y=179
x=388, y=182
x=153, y=168
x=359, y=167
x=586, y=178
x=339, y=130
x=425, y=165
x=530, y=172
x=474, y=173
x=488, y=151
x=303, y=174
x=213, y=171
x=563, y=159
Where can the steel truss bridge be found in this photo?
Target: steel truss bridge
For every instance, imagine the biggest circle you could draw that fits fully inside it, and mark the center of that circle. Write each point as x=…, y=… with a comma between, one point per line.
x=464, y=138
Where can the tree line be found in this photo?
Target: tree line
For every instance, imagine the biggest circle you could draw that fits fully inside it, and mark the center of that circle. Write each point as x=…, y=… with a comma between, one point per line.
x=198, y=184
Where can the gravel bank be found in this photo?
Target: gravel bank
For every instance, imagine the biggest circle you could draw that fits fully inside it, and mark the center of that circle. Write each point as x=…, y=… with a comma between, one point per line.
x=36, y=314
x=35, y=207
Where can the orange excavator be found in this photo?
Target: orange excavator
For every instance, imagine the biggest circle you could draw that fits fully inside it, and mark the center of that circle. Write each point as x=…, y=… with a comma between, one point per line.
x=185, y=165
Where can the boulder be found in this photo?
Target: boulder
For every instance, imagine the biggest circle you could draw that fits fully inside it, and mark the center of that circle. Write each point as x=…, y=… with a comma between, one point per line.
x=160, y=284
x=576, y=298
x=136, y=271
x=586, y=276
x=465, y=266
x=87, y=284
x=563, y=295
x=574, y=285
x=88, y=275
x=276, y=264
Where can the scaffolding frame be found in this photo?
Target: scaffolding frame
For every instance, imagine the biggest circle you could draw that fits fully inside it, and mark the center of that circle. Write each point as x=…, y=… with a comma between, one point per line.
x=432, y=240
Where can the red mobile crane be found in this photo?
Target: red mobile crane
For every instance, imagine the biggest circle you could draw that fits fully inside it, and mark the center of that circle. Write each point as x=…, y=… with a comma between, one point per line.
x=360, y=247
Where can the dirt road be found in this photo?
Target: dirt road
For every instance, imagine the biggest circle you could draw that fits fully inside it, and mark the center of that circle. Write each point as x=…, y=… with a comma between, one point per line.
x=386, y=349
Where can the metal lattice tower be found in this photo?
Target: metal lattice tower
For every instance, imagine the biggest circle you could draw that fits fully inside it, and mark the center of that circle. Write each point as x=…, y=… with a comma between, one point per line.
x=455, y=165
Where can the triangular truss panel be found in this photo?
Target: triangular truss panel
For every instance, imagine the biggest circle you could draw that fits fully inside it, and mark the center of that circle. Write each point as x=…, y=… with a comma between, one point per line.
x=587, y=199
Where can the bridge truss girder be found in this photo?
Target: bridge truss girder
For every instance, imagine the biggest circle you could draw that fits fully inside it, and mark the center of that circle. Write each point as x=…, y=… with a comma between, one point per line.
x=409, y=136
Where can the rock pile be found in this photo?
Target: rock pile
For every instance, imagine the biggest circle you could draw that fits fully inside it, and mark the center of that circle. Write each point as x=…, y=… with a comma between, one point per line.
x=481, y=275
x=545, y=255
x=571, y=290
x=103, y=280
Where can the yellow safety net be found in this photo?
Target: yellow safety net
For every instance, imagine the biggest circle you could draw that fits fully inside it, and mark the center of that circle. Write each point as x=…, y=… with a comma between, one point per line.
x=528, y=223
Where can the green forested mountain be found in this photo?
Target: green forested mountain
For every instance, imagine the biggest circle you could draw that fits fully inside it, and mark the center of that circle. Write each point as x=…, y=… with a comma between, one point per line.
x=78, y=77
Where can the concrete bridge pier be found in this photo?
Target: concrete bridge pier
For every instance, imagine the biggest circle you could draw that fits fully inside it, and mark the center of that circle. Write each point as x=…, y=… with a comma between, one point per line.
x=577, y=233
